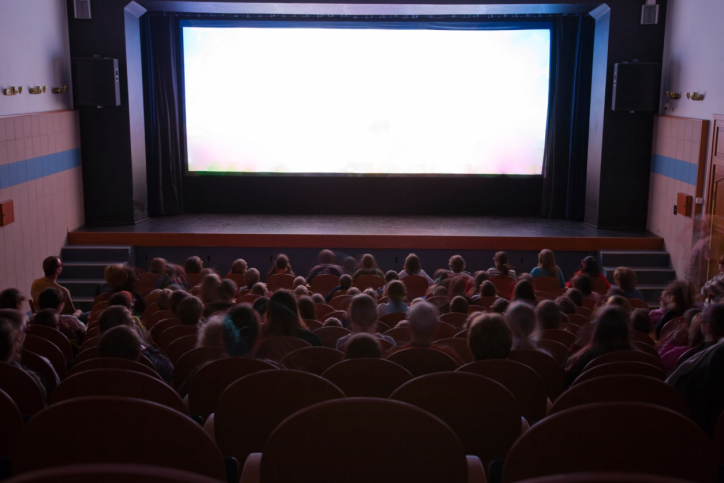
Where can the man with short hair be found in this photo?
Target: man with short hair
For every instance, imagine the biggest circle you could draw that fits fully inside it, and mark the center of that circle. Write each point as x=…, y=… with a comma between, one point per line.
x=52, y=267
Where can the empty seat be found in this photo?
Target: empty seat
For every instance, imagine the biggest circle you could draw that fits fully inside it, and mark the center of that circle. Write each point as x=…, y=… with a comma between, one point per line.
x=616, y=368
x=367, y=377
x=330, y=335
x=626, y=437
x=549, y=285
x=504, y=285
x=312, y=359
x=54, y=336
x=275, y=348
x=22, y=388
x=193, y=359
x=423, y=361
x=625, y=356
x=484, y=414
x=547, y=368
x=113, y=363
x=116, y=430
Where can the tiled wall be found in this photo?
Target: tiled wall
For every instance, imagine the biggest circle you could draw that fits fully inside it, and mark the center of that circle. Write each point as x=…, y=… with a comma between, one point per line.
x=40, y=171
x=677, y=166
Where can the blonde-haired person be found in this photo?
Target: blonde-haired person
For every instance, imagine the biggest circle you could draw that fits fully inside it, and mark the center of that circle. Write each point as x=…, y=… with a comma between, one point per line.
x=547, y=267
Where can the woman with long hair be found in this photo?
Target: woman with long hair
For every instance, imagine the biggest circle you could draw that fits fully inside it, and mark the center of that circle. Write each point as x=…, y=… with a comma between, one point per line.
x=282, y=318
x=367, y=266
x=414, y=267
x=501, y=267
x=592, y=269
x=547, y=267
x=281, y=266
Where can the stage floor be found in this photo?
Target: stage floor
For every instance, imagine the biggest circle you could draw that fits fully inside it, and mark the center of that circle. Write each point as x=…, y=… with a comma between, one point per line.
x=320, y=231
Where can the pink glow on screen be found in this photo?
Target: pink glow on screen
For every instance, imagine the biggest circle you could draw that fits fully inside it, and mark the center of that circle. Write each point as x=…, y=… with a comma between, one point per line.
x=366, y=101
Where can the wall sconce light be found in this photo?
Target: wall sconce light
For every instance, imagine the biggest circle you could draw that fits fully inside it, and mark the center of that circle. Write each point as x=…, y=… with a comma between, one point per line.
x=673, y=95
x=12, y=91
x=59, y=90
x=37, y=90
x=695, y=96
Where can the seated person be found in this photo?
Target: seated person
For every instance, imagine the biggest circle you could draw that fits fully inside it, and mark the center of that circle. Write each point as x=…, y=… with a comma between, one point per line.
x=640, y=321
x=175, y=301
x=53, y=298
x=714, y=288
x=414, y=267
x=396, y=293
x=318, y=298
x=47, y=318
x=12, y=337
x=362, y=345
x=362, y=316
x=459, y=305
x=367, y=266
x=489, y=337
x=307, y=310
x=524, y=292
x=251, y=277
x=301, y=291
x=547, y=267
x=11, y=298
x=259, y=289
x=345, y=282
x=126, y=300
x=625, y=279
x=501, y=268
x=193, y=265
x=52, y=268
x=121, y=342
x=260, y=305
x=282, y=319
x=327, y=266
x=500, y=306
x=590, y=268
x=389, y=276
x=521, y=320
x=547, y=315
x=457, y=267
x=299, y=282
x=190, y=311
x=566, y=305
x=332, y=322
x=281, y=266
x=238, y=267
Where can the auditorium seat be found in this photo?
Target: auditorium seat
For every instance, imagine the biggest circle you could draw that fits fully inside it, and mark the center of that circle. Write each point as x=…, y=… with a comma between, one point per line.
x=638, y=304
x=322, y=310
x=598, y=285
x=484, y=414
x=174, y=332
x=193, y=359
x=637, y=336
x=116, y=430
x=275, y=348
x=605, y=477
x=558, y=335
x=584, y=311
x=368, y=281
x=313, y=324
x=444, y=331
x=557, y=350
x=247, y=299
x=393, y=318
x=590, y=302
x=207, y=384
x=353, y=377
x=476, y=308
x=238, y=278
x=11, y=424
x=22, y=388
x=460, y=346
x=330, y=335
x=85, y=354
x=41, y=366
x=113, y=363
x=616, y=368
x=102, y=297
x=454, y=319
x=280, y=281
x=485, y=302
x=551, y=286
x=156, y=317
x=54, y=336
x=385, y=346
x=45, y=348
x=341, y=303
x=504, y=285
x=99, y=306
x=400, y=334
x=523, y=383
x=440, y=302
x=180, y=346
x=312, y=359
x=111, y=473
x=194, y=279
x=463, y=334
x=623, y=388
x=90, y=342
x=250, y=408
x=646, y=348
x=718, y=439
x=371, y=440
x=93, y=330
x=323, y=284
x=155, y=332
x=578, y=319
x=339, y=314
x=572, y=328
x=151, y=308
x=547, y=368
x=625, y=356
x=416, y=286
x=626, y=437
x=119, y=383
x=423, y=361
x=672, y=325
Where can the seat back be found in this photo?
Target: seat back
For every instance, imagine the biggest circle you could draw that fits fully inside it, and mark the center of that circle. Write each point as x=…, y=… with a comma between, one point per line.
x=423, y=361
x=444, y=331
x=313, y=324
x=558, y=335
x=341, y=303
x=174, y=332
x=40, y=366
x=625, y=356
x=180, y=346
x=238, y=278
x=457, y=344
x=275, y=348
x=393, y=318
x=578, y=319
x=11, y=424
x=86, y=354
x=250, y=408
x=400, y=334
x=193, y=359
x=637, y=336
x=312, y=359
x=625, y=437
x=116, y=430
x=113, y=363
x=280, y=281
x=547, y=368
x=646, y=348
x=207, y=384
x=598, y=285
x=323, y=309
x=22, y=388
x=323, y=284
x=369, y=281
x=416, y=286
x=557, y=350
x=455, y=319
x=352, y=376
x=194, y=279
x=638, y=304
x=617, y=368
x=45, y=348
x=330, y=335
x=161, y=326
x=523, y=383
x=371, y=440
x=504, y=285
x=672, y=325
x=112, y=473
x=120, y=383
x=622, y=388
x=157, y=317
x=54, y=336
x=549, y=285
x=483, y=413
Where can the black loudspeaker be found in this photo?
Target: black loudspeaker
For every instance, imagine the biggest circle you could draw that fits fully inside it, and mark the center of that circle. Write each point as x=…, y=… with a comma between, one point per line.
x=635, y=86
x=97, y=82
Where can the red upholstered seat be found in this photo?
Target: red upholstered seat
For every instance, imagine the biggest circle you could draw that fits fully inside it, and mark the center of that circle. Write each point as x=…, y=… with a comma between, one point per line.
x=615, y=368
x=11, y=423
x=423, y=361
x=312, y=359
x=547, y=368
x=352, y=376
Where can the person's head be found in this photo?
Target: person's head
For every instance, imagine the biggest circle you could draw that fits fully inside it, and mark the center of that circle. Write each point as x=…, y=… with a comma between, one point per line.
x=131, y=279
x=176, y=299
x=612, y=331
x=547, y=262
x=52, y=266
x=51, y=298
x=123, y=298
x=370, y=292
x=47, y=317
x=368, y=262
x=582, y=283
x=640, y=321
x=547, y=315
x=307, y=310
x=327, y=257
x=210, y=288
x=362, y=345
x=625, y=278
x=318, y=298
x=620, y=301
x=521, y=319
x=362, y=314
x=576, y=296
x=440, y=291
x=227, y=290
x=456, y=264
x=282, y=314
x=524, y=292
x=480, y=277
x=487, y=289
x=238, y=266
x=301, y=291
x=8, y=337
x=489, y=337
x=391, y=275
x=299, y=281
x=211, y=334
x=113, y=317
x=190, y=310
x=500, y=306
x=332, y=322
x=242, y=331
x=19, y=322
x=396, y=291
x=422, y=319
x=251, y=277
x=157, y=265
x=712, y=321
x=459, y=304
x=193, y=265
x=11, y=298
x=590, y=266
x=349, y=265
x=614, y=291
x=282, y=262
x=116, y=276
x=353, y=291
x=345, y=282
x=501, y=262
x=678, y=296
x=260, y=305
x=412, y=264
x=258, y=289
x=565, y=305
x=164, y=298
x=122, y=342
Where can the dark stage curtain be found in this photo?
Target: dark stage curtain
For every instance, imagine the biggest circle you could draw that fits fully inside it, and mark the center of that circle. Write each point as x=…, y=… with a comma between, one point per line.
x=164, y=147
x=566, y=150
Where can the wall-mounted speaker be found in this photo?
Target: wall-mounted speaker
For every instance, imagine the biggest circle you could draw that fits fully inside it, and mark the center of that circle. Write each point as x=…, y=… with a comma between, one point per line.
x=82, y=9
x=97, y=82
x=635, y=86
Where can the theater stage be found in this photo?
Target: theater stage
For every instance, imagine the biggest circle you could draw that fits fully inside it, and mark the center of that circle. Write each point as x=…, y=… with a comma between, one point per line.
x=369, y=232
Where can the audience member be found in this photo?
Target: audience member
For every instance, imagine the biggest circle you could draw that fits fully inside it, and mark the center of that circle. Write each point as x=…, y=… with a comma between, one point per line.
x=576, y=296
x=175, y=300
x=345, y=282
x=301, y=291
x=591, y=268
x=566, y=305
x=501, y=268
x=524, y=292
x=714, y=288
x=307, y=310
x=457, y=267
x=422, y=320
x=480, y=277
x=211, y=334
x=122, y=342
x=332, y=322
x=625, y=279
x=299, y=282
x=547, y=267
x=260, y=305
x=640, y=321
x=11, y=298
x=327, y=265
x=318, y=298
x=282, y=318
x=281, y=266
x=362, y=316
x=46, y=317
x=367, y=266
x=193, y=265
x=251, y=277
x=210, y=288
x=413, y=266
x=52, y=268
x=459, y=304
x=242, y=331
x=680, y=340
x=53, y=298
x=259, y=289
x=489, y=337
x=190, y=310
x=12, y=338
x=620, y=301
x=500, y=306
x=521, y=320
x=362, y=345
x=547, y=315
x=238, y=267
x=396, y=293
x=676, y=299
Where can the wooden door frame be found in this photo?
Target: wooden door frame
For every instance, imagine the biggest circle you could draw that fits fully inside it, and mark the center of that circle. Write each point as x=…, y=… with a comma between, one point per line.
x=710, y=160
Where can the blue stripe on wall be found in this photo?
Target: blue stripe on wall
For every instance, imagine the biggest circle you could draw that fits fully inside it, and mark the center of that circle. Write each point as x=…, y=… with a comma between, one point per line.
x=30, y=169
x=674, y=168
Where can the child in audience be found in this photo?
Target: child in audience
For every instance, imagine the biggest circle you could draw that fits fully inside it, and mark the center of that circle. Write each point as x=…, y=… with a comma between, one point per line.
x=547, y=267
x=281, y=266
x=640, y=321
x=457, y=267
x=501, y=268
x=500, y=306
x=591, y=268
x=52, y=298
x=396, y=293
x=251, y=277
x=11, y=298
x=367, y=266
x=318, y=298
x=307, y=310
x=345, y=282
x=259, y=289
x=459, y=304
x=12, y=338
x=260, y=305
x=282, y=318
x=566, y=305
x=389, y=276
x=480, y=278
x=46, y=317
x=362, y=316
x=524, y=292
x=521, y=320
x=677, y=298
x=371, y=293
x=489, y=337
x=413, y=266
x=362, y=345
x=332, y=322
x=164, y=298
x=326, y=266
x=547, y=315
x=576, y=296
x=625, y=278
x=190, y=311
x=121, y=342
x=125, y=299
x=301, y=291
x=299, y=282
x=175, y=300
x=242, y=331
x=620, y=301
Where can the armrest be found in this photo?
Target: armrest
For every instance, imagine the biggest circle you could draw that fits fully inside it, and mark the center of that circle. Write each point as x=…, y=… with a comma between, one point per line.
x=252, y=469
x=476, y=472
